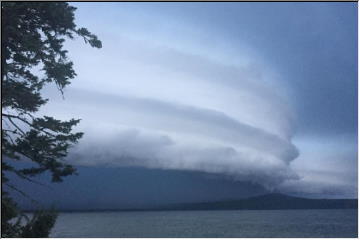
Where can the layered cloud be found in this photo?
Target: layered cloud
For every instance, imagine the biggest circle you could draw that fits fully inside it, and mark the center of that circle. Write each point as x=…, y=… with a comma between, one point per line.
x=176, y=88
x=159, y=107
x=327, y=167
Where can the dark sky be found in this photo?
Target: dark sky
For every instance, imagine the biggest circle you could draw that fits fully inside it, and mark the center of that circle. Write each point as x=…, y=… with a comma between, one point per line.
x=114, y=188
x=250, y=92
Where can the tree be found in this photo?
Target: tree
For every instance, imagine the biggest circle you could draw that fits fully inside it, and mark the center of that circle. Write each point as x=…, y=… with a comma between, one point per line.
x=33, y=34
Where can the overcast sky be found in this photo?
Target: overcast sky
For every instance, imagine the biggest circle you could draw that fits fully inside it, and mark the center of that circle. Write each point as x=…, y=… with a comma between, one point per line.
x=254, y=92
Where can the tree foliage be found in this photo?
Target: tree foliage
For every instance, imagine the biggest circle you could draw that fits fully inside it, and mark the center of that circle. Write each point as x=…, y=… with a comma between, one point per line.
x=33, y=34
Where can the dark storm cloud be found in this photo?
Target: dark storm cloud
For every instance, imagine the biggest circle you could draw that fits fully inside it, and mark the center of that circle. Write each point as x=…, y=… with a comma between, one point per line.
x=312, y=45
x=174, y=136
x=219, y=87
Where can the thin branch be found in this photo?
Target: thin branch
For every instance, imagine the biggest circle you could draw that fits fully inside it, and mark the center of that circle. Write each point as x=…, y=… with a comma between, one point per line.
x=16, y=126
x=9, y=116
x=17, y=117
x=22, y=175
x=12, y=131
x=12, y=141
x=30, y=180
x=22, y=193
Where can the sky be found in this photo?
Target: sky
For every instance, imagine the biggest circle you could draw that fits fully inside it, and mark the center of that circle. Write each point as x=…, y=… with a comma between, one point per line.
x=234, y=96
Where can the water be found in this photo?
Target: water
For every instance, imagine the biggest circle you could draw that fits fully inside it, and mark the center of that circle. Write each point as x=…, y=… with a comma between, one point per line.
x=238, y=223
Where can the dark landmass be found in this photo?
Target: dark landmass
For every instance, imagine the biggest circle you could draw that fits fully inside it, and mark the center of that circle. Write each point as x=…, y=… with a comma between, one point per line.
x=269, y=202
x=274, y=201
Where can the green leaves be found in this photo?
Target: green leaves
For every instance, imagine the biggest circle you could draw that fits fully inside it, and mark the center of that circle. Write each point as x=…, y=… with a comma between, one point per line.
x=21, y=96
x=46, y=143
x=33, y=38
x=33, y=34
x=40, y=225
x=89, y=38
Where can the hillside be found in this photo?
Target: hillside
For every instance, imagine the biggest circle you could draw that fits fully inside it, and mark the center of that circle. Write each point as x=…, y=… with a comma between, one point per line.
x=267, y=202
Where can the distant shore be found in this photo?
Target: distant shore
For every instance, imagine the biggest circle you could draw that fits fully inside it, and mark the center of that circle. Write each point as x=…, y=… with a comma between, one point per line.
x=273, y=201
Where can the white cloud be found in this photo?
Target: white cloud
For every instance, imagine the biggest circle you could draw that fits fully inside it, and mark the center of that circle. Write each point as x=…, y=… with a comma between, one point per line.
x=165, y=93
x=154, y=106
x=327, y=167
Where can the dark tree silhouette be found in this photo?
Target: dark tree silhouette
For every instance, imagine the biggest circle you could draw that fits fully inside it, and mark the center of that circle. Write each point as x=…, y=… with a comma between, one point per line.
x=33, y=34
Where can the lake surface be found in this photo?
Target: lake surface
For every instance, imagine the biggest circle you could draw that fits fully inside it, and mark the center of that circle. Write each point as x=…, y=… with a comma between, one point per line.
x=207, y=224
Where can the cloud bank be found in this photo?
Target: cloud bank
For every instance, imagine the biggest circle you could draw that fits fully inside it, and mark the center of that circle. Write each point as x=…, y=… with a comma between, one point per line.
x=159, y=107
x=176, y=88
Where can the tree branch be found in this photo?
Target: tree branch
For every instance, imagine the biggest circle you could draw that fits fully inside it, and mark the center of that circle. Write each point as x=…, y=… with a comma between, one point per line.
x=9, y=116
x=22, y=193
x=16, y=126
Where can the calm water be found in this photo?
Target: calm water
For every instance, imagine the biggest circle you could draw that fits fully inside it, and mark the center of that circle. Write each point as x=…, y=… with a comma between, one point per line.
x=241, y=223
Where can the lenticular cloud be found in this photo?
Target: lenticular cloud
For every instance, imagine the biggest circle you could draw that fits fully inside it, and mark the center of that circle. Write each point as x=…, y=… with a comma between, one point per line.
x=169, y=109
